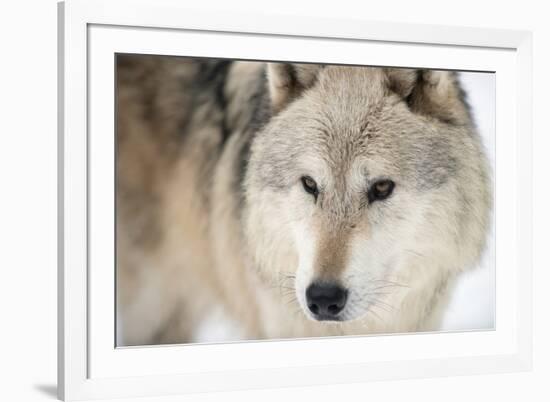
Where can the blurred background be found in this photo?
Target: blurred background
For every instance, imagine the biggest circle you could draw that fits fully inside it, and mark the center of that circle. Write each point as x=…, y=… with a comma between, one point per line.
x=473, y=300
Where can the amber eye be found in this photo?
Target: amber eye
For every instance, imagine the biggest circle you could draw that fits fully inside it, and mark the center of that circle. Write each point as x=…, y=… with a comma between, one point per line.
x=310, y=186
x=380, y=190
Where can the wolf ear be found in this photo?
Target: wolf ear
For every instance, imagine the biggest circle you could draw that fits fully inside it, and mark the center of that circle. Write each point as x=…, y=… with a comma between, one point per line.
x=431, y=93
x=286, y=81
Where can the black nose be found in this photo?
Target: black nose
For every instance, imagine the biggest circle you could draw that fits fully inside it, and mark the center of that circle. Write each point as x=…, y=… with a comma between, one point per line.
x=326, y=300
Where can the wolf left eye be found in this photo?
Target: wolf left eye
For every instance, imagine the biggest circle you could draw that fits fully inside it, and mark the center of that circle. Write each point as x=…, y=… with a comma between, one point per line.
x=310, y=186
x=380, y=190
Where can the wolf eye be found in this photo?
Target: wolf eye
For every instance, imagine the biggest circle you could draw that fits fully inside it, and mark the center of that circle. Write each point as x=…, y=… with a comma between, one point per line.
x=310, y=186
x=380, y=190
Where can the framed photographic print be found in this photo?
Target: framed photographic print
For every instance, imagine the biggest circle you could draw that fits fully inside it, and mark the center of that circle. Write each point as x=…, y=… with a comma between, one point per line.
x=266, y=201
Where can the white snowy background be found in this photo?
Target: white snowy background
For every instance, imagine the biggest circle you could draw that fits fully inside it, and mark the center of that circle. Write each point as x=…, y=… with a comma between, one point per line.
x=473, y=301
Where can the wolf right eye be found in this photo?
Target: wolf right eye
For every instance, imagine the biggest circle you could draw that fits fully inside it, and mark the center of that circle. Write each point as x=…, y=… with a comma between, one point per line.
x=380, y=190
x=310, y=186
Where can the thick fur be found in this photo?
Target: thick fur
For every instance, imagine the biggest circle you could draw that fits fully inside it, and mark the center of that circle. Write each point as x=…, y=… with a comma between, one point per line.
x=212, y=215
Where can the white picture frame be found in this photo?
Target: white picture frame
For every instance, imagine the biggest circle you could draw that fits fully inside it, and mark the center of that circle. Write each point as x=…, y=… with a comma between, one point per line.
x=91, y=32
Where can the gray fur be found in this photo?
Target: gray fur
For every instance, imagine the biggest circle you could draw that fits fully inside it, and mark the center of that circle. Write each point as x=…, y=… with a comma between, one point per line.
x=210, y=157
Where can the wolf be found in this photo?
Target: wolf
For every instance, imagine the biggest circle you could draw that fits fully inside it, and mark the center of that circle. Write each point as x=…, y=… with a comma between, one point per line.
x=291, y=199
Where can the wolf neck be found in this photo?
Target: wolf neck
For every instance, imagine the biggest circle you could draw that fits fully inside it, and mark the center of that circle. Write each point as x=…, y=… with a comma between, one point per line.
x=421, y=309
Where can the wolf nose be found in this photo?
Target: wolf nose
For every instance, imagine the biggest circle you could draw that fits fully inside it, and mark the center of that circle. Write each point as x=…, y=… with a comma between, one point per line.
x=326, y=300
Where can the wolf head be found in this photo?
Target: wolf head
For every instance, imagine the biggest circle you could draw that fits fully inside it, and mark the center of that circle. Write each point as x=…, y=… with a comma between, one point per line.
x=367, y=184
